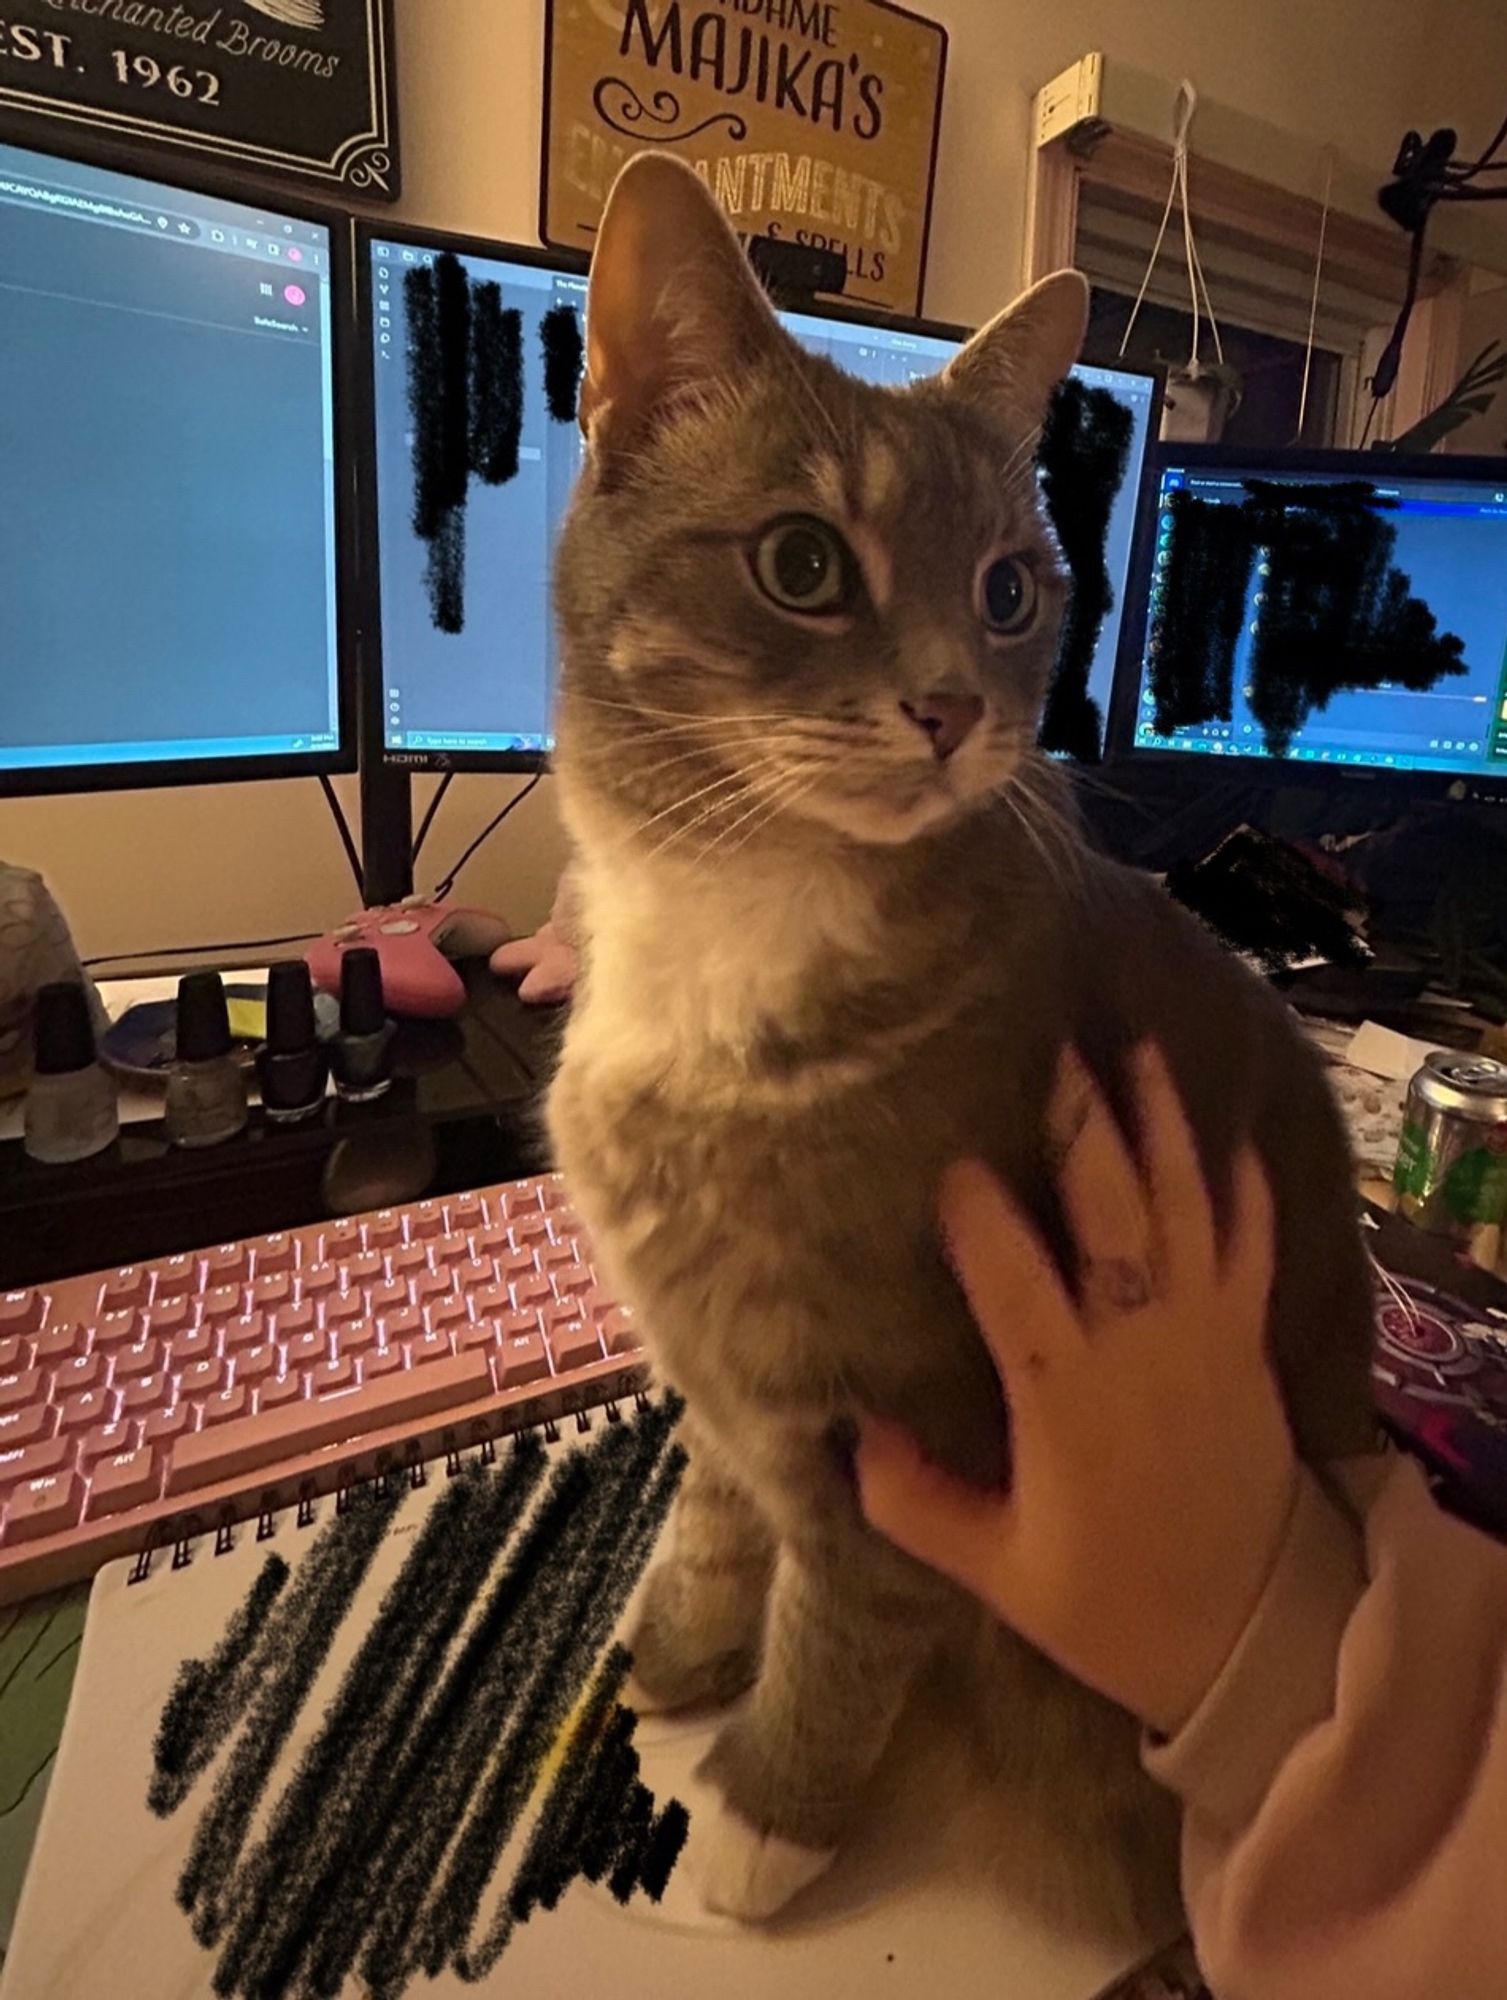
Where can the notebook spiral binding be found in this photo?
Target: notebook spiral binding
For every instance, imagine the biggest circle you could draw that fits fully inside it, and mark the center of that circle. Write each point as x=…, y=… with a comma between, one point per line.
x=183, y=1532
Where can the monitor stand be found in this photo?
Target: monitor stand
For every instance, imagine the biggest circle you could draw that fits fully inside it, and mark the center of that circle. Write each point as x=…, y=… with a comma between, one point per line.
x=386, y=833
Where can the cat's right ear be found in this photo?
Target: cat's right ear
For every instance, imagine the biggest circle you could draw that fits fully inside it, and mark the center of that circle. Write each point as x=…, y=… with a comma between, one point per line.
x=673, y=308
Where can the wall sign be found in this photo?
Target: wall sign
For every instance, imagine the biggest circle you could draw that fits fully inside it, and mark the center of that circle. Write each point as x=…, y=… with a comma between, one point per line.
x=301, y=87
x=814, y=119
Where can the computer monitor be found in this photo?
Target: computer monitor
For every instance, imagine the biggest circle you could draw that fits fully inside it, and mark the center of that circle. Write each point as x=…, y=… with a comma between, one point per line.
x=171, y=522
x=1332, y=613
x=476, y=449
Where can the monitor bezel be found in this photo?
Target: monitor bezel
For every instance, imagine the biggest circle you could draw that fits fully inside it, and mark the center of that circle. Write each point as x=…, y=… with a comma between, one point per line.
x=578, y=263
x=1134, y=761
x=63, y=781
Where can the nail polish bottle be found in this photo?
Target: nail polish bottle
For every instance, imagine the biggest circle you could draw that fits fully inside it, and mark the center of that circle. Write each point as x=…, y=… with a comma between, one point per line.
x=292, y=1066
x=206, y=1092
x=70, y=1109
x=361, y=1056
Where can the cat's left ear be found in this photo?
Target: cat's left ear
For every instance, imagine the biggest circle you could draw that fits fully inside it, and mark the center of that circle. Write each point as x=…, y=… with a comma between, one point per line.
x=1012, y=365
x=673, y=307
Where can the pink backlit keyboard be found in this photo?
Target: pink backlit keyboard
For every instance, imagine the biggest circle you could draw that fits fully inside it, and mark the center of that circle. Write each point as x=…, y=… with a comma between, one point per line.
x=231, y=1378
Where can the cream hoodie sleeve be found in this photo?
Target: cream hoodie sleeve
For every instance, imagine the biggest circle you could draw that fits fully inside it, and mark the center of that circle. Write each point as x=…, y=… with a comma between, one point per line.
x=1345, y=1779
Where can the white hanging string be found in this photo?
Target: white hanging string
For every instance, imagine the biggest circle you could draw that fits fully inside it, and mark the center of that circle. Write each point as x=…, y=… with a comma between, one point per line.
x=1313, y=303
x=1185, y=105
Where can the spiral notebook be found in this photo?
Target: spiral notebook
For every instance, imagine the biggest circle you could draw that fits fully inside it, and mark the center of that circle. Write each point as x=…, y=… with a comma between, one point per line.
x=376, y=1744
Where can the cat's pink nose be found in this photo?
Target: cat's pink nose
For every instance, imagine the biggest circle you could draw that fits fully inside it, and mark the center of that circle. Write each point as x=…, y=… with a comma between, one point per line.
x=946, y=718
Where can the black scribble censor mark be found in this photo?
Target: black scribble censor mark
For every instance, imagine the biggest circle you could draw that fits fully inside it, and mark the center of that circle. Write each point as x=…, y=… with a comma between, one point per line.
x=376, y=1848
x=1085, y=448
x=564, y=359
x=1335, y=611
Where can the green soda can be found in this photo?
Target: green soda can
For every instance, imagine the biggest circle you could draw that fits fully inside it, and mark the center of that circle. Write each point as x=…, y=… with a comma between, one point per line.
x=1451, y=1171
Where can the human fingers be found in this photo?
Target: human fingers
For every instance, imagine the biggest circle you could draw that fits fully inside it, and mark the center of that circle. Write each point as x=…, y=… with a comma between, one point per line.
x=1007, y=1275
x=1101, y=1192
x=1182, y=1213
x=940, y=1520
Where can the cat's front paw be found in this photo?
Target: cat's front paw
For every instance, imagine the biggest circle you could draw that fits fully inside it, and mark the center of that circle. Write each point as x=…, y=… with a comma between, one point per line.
x=680, y=1655
x=739, y=1871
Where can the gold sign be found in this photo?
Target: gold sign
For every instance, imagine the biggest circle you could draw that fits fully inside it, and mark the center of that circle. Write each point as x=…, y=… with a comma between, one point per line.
x=814, y=120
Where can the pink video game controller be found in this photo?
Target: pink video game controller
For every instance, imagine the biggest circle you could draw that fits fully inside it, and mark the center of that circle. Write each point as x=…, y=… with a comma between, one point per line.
x=415, y=940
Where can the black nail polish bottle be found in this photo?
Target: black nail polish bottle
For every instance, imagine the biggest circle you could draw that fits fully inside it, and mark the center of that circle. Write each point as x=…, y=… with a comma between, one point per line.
x=362, y=1053
x=292, y=1065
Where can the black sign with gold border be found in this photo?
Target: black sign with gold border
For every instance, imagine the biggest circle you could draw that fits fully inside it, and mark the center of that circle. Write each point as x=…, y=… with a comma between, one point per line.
x=297, y=87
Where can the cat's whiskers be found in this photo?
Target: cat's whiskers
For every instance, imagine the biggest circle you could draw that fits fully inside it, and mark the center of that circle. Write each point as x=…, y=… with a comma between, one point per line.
x=1045, y=826
x=1025, y=450
x=749, y=779
x=611, y=756
x=737, y=777
x=783, y=790
x=778, y=804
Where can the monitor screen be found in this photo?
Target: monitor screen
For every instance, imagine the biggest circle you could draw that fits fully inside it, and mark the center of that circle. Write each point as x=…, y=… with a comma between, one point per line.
x=1327, y=609
x=477, y=449
x=167, y=483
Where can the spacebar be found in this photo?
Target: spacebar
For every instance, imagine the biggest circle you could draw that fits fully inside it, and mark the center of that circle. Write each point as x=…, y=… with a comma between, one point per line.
x=228, y=1449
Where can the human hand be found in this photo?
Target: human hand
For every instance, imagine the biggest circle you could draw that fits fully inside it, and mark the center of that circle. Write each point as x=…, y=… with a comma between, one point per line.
x=1152, y=1466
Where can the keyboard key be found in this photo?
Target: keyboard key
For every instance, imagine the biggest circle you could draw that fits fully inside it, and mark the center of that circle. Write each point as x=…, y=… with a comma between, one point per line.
x=202, y=1378
x=355, y=1337
x=572, y=1281
x=126, y=1480
x=290, y=1321
x=340, y=1240
x=384, y=1361
x=530, y=1229
x=128, y=1287
x=431, y=1285
x=275, y=1254
x=162, y=1426
x=445, y=1312
x=145, y=1393
x=450, y=1250
x=555, y=1256
x=177, y=1278
x=384, y=1231
x=195, y=1344
x=333, y=1375
x=27, y=1386
x=514, y=1325
x=15, y=1354
x=44, y=1507
x=142, y=1357
x=475, y=1272
x=466, y=1211
x=530, y=1290
x=413, y=1257
x=306, y=1348
x=480, y=1333
x=226, y=1405
x=118, y=1329
x=170, y=1317
x=222, y=1303
x=274, y=1290
x=254, y=1364
x=619, y=1335
x=521, y=1200
x=21, y=1312
x=250, y=1330
x=25, y=1426
x=425, y=1219
x=428, y=1348
x=317, y=1280
x=229, y=1264
x=35, y=1461
x=493, y=1242
x=553, y=1194
x=84, y=1371
x=575, y=1345
x=493, y=1298
x=523, y=1359
x=230, y=1449
x=104, y=1441
x=369, y=1268
x=517, y=1264
x=387, y=1298
x=81, y=1412
x=57, y=1343
x=402, y=1325
x=342, y=1307
x=284, y=1389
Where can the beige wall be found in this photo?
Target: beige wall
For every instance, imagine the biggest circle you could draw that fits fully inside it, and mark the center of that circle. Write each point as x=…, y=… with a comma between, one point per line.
x=139, y=870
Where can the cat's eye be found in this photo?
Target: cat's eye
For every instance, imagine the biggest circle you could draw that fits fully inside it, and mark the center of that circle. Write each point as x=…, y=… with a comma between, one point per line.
x=1007, y=596
x=803, y=565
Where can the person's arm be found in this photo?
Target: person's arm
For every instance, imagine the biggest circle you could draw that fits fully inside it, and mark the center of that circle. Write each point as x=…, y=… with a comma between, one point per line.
x=1333, y=1713
x=1345, y=1778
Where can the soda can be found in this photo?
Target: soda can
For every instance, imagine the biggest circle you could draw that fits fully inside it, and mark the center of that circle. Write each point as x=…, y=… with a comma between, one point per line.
x=1451, y=1171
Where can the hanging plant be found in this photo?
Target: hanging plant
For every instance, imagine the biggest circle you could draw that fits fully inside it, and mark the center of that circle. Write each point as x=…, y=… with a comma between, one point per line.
x=1472, y=396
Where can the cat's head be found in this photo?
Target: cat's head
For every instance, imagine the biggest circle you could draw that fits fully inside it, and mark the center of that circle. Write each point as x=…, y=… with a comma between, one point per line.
x=788, y=596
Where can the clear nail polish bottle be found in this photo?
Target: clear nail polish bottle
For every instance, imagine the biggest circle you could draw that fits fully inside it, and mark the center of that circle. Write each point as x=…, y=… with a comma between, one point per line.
x=206, y=1091
x=70, y=1109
